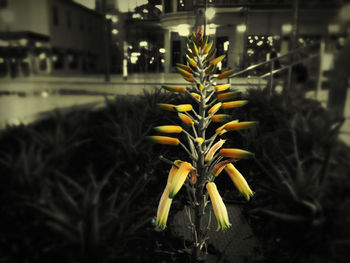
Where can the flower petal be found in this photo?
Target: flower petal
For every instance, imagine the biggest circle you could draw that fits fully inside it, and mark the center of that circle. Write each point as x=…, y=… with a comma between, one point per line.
x=180, y=178
x=169, y=129
x=174, y=88
x=239, y=181
x=234, y=104
x=185, y=119
x=219, y=207
x=215, y=108
x=236, y=153
x=213, y=150
x=183, y=107
x=227, y=96
x=164, y=140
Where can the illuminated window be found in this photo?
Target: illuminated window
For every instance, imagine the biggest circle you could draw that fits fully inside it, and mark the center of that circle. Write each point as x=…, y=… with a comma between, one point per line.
x=176, y=52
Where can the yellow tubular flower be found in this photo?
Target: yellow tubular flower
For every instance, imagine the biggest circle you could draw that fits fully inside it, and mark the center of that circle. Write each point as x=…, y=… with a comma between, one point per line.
x=239, y=125
x=207, y=47
x=217, y=169
x=225, y=74
x=185, y=67
x=217, y=60
x=184, y=73
x=174, y=88
x=219, y=207
x=239, y=181
x=227, y=96
x=204, y=42
x=194, y=48
x=192, y=62
x=169, y=129
x=214, y=108
x=236, y=153
x=165, y=106
x=210, y=55
x=200, y=87
x=183, y=107
x=195, y=95
x=173, y=171
x=209, y=69
x=191, y=79
x=220, y=117
x=164, y=140
x=234, y=104
x=213, y=150
x=179, y=178
x=223, y=126
x=163, y=208
x=185, y=119
x=222, y=87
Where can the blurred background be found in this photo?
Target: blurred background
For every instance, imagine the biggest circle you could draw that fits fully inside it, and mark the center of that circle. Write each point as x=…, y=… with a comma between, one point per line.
x=79, y=83
x=45, y=43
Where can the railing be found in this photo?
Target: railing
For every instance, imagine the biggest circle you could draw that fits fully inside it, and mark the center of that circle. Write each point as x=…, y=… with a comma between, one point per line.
x=291, y=60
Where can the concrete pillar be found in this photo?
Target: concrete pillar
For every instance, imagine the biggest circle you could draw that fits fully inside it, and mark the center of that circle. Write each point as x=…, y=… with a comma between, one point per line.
x=167, y=47
x=284, y=47
x=49, y=65
x=236, y=48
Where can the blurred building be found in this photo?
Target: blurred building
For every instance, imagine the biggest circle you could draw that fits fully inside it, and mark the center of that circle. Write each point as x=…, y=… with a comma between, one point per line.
x=49, y=37
x=248, y=30
x=144, y=39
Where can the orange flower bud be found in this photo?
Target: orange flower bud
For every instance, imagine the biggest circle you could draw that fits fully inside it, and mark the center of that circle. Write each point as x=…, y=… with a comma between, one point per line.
x=217, y=60
x=164, y=140
x=209, y=69
x=207, y=47
x=214, y=108
x=236, y=153
x=195, y=95
x=165, y=106
x=183, y=107
x=220, y=117
x=185, y=67
x=222, y=87
x=193, y=179
x=210, y=55
x=223, y=126
x=184, y=73
x=240, y=125
x=185, y=119
x=204, y=42
x=225, y=74
x=192, y=62
x=227, y=96
x=234, y=104
x=174, y=88
x=169, y=129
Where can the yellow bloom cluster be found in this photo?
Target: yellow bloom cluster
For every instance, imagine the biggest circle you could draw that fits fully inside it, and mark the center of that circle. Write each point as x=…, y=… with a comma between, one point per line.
x=205, y=153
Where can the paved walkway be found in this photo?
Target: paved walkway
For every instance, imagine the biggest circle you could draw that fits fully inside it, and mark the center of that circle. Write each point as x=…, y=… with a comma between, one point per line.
x=24, y=99
x=236, y=243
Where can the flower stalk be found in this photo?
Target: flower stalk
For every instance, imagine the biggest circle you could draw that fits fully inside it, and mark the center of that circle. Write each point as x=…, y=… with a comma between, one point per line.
x=205, y=155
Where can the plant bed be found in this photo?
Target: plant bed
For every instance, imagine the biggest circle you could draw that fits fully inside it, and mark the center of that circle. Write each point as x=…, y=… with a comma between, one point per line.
x=85, y=185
